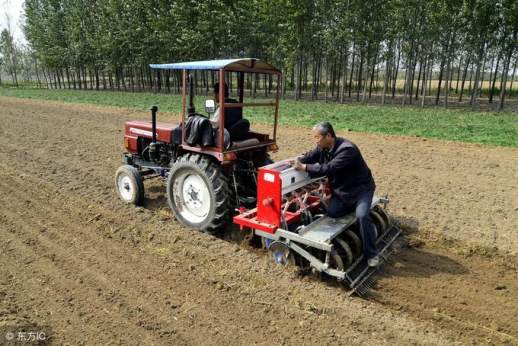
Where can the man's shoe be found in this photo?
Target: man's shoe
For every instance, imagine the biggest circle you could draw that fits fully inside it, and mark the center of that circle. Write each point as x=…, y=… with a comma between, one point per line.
x=373, y=262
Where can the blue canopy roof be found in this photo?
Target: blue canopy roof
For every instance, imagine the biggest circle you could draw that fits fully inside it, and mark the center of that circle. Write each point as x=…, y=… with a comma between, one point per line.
x=244, y=64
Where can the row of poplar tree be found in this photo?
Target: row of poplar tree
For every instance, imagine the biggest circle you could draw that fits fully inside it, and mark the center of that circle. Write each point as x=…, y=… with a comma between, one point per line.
x=407, y=51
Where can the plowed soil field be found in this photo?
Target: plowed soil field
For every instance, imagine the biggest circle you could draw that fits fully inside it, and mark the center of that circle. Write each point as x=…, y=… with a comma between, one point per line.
x=95, y=271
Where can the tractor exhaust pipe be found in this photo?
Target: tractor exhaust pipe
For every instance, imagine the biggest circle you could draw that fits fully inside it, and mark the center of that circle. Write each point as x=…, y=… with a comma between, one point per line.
x=153, y=110
x=153, y=145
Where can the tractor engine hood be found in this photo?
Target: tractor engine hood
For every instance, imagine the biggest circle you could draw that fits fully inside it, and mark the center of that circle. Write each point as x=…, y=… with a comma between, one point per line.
x=142, y=128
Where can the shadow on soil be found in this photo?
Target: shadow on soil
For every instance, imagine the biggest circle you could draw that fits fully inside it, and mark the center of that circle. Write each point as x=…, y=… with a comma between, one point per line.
x=408, y=260
x=412, y=260
x=155, y=195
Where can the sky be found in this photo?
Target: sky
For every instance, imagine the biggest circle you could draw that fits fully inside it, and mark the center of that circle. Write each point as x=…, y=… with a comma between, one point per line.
x=12, y=9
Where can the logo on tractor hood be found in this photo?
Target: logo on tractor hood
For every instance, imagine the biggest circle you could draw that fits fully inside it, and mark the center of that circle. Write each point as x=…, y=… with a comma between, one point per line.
x=142, y=132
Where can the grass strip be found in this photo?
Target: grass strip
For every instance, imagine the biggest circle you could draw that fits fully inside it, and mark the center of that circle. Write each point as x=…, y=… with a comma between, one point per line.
x=491, y=128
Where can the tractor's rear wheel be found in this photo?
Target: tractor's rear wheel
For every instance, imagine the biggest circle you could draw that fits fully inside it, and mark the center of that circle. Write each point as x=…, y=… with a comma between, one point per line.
x=129, y=185
x=198, y=193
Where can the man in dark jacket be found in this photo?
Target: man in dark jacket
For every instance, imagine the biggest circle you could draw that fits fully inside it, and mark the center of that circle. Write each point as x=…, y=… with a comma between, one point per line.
x=350, y=179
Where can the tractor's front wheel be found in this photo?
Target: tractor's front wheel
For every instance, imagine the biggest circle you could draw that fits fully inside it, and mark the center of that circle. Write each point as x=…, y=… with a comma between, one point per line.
x=129, y=185
x=198, y=193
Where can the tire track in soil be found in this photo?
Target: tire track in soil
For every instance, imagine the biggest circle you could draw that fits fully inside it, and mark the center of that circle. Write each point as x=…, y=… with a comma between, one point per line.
x=476, y=299
x=82, y=180
x=79, y=267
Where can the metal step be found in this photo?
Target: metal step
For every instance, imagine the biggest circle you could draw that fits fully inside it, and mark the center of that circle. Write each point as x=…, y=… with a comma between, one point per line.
x=325, y=229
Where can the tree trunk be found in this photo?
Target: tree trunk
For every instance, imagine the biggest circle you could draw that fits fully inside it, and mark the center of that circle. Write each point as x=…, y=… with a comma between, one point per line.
x=447, y=83
x=68, y=77
x=91, y=76
x=85, y=85
x=38, y=75
x=458, y=77
x=45, y=76
x=412, y=77
x=367, y=68
x=482, y=75
x=96, y=72
x=449, y=70
x=77, y=75
x=337, y=77
x=313, y=78
x=123, y=78
x=377, y=84
x=132, y=80
x=110, y=79
x=492, y=91
x=405, y=85
x=58, y=78
x=256, y=84
x=474, y=92
x=504, y=78
x=359, y=79
x=319, y=76
x=117, y=78
x=305, y=72
x=51, y=79
x=418, y=80
x=13, y=73
x=149, y=78
x=344, y=75
x=284, y=85
x=326, y=80
x=386, y=79
x=464, y=79
x=265, y=84
x=352, y=71
x=103, y=75
x=430, y=76
x=470, y=87
x=441, y=71
x=426, y=68
x=373, y=72
x=396, y=73
x=298, y=81
x=292, y=79
x=512, y=78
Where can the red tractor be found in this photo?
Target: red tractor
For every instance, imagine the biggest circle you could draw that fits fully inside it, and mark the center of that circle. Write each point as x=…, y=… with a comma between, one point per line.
x=215, y=168
x=210, y=172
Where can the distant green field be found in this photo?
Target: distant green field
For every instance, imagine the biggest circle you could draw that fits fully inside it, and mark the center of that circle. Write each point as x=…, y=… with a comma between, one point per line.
x=450, y=124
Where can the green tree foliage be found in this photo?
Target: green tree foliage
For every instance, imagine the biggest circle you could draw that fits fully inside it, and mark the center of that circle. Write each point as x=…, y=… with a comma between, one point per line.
x=342, y=49
x=9, y=55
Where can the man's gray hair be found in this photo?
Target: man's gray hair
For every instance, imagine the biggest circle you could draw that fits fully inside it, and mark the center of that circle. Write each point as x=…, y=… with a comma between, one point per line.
x=324, y=128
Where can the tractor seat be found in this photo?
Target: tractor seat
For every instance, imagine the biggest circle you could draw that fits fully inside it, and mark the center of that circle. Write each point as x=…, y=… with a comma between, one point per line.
x=245, y=143
x=236, y=125
x=240, y=130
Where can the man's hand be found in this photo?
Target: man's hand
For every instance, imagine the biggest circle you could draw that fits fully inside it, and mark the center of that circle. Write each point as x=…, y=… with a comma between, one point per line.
x=298, y=165
x=325, y=193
